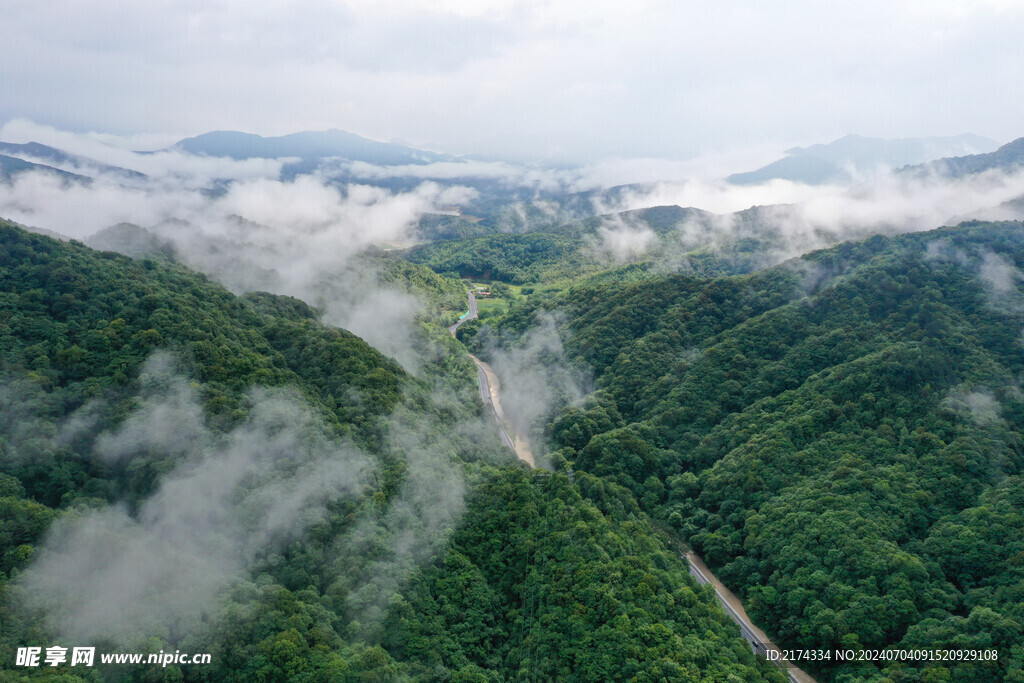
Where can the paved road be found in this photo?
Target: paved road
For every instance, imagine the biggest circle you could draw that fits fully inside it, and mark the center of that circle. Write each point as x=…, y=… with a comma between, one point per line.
x=734, y=608
x=490, y=393
x=470, y=315
x=485, y=395
x=755, y=636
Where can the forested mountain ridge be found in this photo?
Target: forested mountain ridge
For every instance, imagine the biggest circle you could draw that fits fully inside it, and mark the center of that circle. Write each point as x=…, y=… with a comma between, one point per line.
x=842, y=159
x=626, y=245
x=131, y=385
x=238, y=260
x=12, y=166
x=840, y=436
x=1008, y=158
x=53, y=157
x=307, y=145
x=81, y=321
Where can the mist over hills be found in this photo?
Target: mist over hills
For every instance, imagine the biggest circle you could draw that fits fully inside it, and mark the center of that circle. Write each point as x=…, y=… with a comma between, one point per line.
x=843, y=160
x=481, y=218
x=297, y=489
x=308, y=146
x=865, y=152
x=790, y=415
x=131, y=240
x=511, y=341
x=657, y=341
x=544, y=222
x=46, y=155
x=508, y=196
x=1008, y=158
x=11, y=166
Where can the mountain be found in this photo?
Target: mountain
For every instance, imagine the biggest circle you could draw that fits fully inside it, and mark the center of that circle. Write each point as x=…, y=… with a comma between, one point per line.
x=1009, y=158
x=11, y=166
x=131, y=240
x=841, y=437
x=800, y=168
x=44, y=154
x=251, y=483
x=618, y=246
x=865, y=152
x=841, y=160
x=628, y=245
x=308, y=146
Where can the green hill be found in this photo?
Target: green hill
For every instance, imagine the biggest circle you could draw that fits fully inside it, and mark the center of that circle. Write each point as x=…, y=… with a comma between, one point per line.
x=653, y=240
x=1008, y=158
x=241, y=480
x=840, y=437
x=307, y=145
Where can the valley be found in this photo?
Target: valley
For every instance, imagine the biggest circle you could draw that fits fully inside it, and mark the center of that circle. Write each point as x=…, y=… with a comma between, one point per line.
x=480, y=456
x=510, y=341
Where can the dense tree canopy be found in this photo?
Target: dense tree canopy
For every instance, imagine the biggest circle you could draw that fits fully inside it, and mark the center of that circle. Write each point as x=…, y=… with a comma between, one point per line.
x=443, y=560
x=839, y=437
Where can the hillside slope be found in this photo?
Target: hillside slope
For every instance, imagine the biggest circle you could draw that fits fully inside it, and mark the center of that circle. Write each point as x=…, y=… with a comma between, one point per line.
x=840, y=437
x=1008, y=158
x=242, y=480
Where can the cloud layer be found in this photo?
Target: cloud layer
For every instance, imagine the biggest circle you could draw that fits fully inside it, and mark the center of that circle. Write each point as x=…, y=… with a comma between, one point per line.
x=111, y=575
x=519, y=77
x=228, y=501
x=241, y=224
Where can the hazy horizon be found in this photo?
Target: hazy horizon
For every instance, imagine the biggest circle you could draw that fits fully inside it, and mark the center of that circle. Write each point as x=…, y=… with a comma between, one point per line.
x=568, y=80
x=599, y=171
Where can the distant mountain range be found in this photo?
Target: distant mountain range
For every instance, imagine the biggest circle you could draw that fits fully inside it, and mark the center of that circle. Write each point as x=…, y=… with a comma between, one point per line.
x=10, y=166
x=44, y=157
x=308, y=146
x=504, y=205
x=1009, y=157
x=847, y=158
x=309, y=151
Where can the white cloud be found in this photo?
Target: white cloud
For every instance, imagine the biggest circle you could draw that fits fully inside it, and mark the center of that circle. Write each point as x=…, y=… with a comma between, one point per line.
x=296, y=237
x=659, y=79
x=903, y=202
x=113, y=575
x=185, y=169
x=621, y=240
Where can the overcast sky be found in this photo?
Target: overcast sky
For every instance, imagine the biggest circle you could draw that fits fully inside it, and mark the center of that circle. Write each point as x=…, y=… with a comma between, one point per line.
x=646, y=78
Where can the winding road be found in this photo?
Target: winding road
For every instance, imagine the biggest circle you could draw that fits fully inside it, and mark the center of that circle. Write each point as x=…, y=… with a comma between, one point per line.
x=472, y=313
x=752, y=634
x=490, y=394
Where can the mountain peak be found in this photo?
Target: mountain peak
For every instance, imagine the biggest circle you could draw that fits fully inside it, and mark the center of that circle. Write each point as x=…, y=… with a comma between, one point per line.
x=308, y=146
x=851, y=155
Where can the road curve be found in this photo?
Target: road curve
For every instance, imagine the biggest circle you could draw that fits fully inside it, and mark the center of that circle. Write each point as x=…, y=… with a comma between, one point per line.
x=490, y=394
x=469, y=315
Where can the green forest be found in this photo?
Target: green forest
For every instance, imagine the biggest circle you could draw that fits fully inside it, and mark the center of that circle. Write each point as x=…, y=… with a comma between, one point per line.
x=571, y=251
x=839, y=437
x=511, y=341
x=432, y=555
